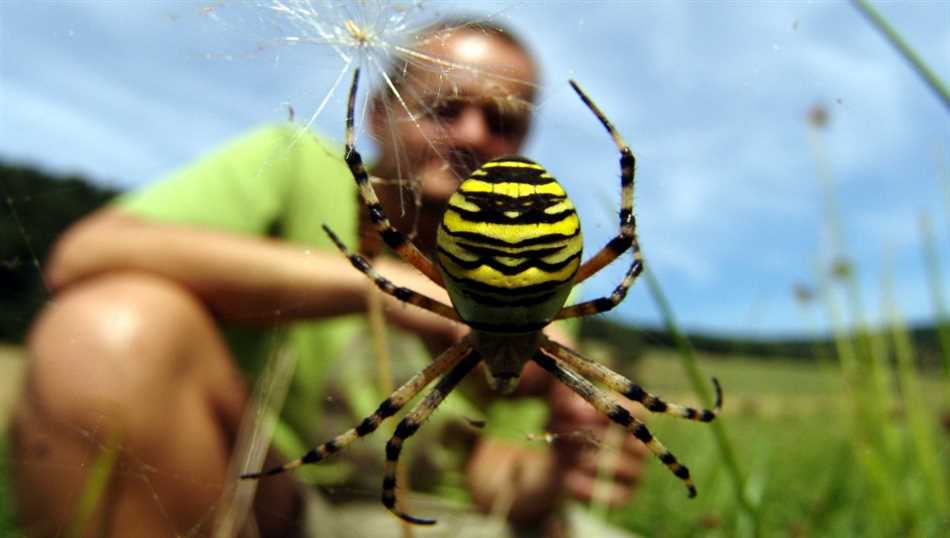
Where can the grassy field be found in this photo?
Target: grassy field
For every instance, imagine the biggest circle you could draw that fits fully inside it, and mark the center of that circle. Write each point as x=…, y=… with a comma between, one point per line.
x=807, y=471
x=794, y=437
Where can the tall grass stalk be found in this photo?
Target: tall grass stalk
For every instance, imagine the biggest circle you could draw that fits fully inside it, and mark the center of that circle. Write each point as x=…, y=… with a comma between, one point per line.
x=898, y=42
x=258, y=430
x=861, y=360
x=901, y=481
x=932, y=266
x=890, y=468
x=806, y=296
x=701, y=386
x=94, y=489
x=863, y=355
x=914, y=407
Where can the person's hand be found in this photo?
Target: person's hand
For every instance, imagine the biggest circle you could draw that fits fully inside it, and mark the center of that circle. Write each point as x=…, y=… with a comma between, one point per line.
x=586, y=444
x=528, y=482
x=579, y=434
x=513, y=479
x=520, y=475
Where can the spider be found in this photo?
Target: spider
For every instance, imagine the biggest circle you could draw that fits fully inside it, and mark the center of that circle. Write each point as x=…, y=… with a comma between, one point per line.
x=508, y=254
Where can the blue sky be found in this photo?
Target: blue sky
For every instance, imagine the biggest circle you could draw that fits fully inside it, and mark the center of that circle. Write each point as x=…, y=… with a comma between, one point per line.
x=711, y=97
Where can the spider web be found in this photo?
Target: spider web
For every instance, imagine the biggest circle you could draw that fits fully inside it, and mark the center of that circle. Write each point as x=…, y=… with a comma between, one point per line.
x=380, y=39
x=722, y=158
x=372, y=36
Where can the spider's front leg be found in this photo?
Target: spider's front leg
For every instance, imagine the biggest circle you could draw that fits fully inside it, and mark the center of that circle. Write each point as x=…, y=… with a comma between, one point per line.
x=627, y=237
x=603, y=304
x=406, y=249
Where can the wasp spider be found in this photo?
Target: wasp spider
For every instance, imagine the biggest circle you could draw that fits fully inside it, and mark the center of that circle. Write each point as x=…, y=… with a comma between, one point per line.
x=509, y=253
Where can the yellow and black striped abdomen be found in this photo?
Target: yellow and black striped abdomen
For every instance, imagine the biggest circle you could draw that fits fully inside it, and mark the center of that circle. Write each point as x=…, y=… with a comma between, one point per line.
x=509, y=246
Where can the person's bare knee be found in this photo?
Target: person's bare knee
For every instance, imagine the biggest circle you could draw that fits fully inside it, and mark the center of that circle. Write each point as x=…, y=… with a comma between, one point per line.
x=128, y=359
x=121, y=339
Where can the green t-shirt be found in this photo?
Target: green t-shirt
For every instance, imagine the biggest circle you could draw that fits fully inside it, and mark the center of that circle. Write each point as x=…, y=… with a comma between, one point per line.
x=283, y=182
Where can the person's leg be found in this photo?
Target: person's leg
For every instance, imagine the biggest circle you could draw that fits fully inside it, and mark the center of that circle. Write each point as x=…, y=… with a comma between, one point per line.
x=134, y=360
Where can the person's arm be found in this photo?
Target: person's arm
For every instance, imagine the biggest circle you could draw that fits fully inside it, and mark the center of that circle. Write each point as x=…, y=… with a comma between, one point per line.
x=241, y=278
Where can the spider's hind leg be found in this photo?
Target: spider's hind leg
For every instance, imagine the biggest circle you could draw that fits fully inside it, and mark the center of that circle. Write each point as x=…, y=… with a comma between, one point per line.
x=550, y=359
x=411, y=423
x=627, y=236
x=620, y=384
x=386, y=409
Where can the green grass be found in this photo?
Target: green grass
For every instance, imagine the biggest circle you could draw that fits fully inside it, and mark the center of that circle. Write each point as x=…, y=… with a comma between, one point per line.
x=11, y=373
x=857, y=446
x=789, y=423
x=791, y=428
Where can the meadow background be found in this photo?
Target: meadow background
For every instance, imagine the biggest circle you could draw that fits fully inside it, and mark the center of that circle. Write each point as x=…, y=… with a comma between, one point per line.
x=837, y=419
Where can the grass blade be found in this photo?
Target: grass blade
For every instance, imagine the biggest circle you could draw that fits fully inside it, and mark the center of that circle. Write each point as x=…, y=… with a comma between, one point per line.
x=894, y=38
x=701, y=387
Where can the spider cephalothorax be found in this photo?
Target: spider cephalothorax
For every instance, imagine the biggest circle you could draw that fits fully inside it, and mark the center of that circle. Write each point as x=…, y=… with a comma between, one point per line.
x=509, y=254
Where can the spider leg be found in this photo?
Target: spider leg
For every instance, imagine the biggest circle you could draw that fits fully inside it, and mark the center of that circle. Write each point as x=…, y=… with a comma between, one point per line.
x=384, y=284
x=551, y=361
x=601, y=374
x=386, y=409
x=411, y=423
x=604, y=304
x=391, y=236
x=628, y=223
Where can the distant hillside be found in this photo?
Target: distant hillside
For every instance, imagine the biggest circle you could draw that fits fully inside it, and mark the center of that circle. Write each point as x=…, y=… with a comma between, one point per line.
x=632, y=340
x=37, y=207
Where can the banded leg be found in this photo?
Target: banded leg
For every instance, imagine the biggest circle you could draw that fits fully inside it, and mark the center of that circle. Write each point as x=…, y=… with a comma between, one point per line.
x=603, y=304
x=411, y=423
x=628, y=234
x=405, y=295
x=607, y=405
x=599, y=373
x=391, y=236
x=388, y=408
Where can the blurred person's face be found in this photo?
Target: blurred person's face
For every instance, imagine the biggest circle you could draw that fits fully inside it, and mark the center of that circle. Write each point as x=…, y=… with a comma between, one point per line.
x=461, y=116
